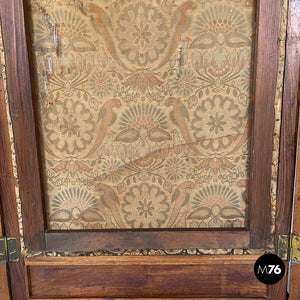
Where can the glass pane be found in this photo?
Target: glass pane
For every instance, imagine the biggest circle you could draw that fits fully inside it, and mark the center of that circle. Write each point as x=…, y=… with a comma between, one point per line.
x=144, y=111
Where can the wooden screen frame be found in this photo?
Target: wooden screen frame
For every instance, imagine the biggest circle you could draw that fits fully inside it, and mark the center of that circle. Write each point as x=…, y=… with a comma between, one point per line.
x=36, y=235
x=12, y=16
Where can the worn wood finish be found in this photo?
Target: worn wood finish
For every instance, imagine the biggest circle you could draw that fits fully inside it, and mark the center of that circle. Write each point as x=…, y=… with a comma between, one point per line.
x=268, y=12
x=109, y=240
x=288, y=134
x=295, y=268
x=194, y=298
x=154, y=276
x=294, y=283
x=158, y=260
x=296, y=223
x=7, y=195
x=4, y=289
x=18, y=84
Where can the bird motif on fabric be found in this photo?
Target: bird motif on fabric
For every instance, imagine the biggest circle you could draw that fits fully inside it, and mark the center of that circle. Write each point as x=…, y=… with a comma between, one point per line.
x=179, y=115
x=180, y=198
x=107, y=117
x=110, y=200
x=101, y=22
x=181, y=21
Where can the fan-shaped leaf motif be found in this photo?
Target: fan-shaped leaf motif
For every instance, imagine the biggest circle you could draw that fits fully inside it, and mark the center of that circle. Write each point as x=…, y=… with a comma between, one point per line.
x=200, y=213
x=228, y=212
x=204, y=41
x=90, y=215
x=61, y=216
x=82, y=45
x=237, y=40
x=45, y=45
x=159, y=135
x=128, y=135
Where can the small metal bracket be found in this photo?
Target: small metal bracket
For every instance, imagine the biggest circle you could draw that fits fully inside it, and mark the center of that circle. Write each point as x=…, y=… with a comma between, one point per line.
x=289, y=244
x=8, y=250
x=283, y=246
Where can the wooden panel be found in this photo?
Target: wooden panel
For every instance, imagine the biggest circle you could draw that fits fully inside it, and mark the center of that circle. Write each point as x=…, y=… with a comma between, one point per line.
x=7, y=185
x=152, y=276
x=296, y=224
x=268, y=19
x=4, y=290
x=21, y=108
x=109, y=240
x=260, y=173
x=194, y=298
x=295, y=282
x=288, y=135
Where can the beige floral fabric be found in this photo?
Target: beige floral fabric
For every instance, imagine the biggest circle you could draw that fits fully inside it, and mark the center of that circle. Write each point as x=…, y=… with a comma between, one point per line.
x=144, y=110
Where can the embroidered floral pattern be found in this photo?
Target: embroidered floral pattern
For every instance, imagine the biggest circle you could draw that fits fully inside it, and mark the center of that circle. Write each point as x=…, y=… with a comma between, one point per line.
x=142, y=33
x=111, y=170
x=222, y=25
x=69, y=126
x=175, y=168
x=101, y=84
x=144, y=106
x=185, y=82
x=217, y=123
x=76, y=206
x=145, y=206
x=65, y=29
x=216, y=204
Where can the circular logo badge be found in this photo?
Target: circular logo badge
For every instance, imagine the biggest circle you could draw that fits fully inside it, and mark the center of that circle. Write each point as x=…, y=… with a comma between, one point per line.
x=269, y=268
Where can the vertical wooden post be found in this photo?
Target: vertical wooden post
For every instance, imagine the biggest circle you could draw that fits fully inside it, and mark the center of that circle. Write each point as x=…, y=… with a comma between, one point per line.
x=288, y=135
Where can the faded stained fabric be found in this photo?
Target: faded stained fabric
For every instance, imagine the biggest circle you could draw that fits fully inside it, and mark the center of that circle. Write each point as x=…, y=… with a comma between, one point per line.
x=144, y=111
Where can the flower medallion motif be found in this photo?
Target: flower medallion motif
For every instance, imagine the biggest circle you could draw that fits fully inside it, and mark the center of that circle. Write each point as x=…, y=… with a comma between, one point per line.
x=101, y=84
x=175, y=168
x=217, y=123
x=142, y=34
x=69, y=126
x=145, y=206
x=185, y=82
x=112, y=169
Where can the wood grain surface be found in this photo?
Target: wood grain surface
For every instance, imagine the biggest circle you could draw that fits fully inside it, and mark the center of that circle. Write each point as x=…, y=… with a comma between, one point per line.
x=193, y=298
x=144, y=277
x=23, y=120
x=268, y=20
x=7, y=183
x=295, y=269
x=110, y=240
x=295, y=282
x=288, y=135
